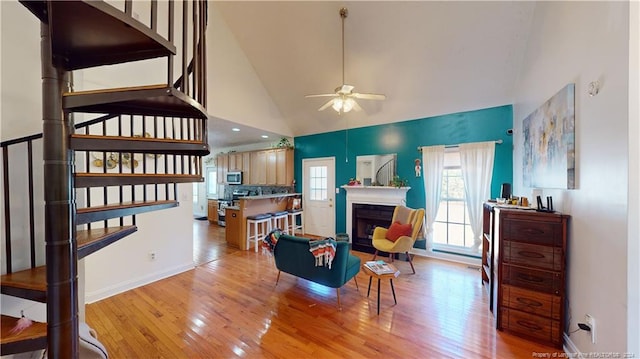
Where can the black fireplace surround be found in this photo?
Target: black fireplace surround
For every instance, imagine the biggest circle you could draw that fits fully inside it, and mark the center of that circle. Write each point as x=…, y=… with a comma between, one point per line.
x=365, y=218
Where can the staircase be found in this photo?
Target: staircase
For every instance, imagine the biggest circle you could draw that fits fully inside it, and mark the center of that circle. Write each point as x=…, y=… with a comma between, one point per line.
x=103, y=172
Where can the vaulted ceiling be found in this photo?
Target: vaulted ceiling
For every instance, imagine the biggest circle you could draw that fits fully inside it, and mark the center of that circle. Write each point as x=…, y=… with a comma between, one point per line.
x=429, y=58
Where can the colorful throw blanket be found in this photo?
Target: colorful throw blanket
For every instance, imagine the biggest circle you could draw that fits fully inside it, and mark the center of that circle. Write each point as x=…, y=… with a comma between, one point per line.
x=269, y=242
x=324, y=250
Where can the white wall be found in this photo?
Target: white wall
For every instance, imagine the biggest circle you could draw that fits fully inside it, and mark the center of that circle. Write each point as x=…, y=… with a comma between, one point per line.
x=20, y=90
x=580, y=42
x=234, y=91
x=126, y=264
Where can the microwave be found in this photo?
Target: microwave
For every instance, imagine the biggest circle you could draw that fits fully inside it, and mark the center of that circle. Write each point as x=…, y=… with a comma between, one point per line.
x=234, y=177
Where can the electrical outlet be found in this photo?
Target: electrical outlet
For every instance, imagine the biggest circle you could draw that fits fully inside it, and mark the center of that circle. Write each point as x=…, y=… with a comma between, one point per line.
x=152, y=255
x=591, y=322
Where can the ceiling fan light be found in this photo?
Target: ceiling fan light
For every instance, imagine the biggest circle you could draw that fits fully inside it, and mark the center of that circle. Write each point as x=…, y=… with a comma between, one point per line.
x=347, y=105
x=337, y=104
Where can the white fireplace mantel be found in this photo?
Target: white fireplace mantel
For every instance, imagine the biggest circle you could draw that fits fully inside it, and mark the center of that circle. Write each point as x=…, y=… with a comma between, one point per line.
x=381, y=195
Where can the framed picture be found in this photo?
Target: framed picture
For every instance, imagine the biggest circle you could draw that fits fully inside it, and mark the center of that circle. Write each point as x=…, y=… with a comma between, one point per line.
x=549, y=143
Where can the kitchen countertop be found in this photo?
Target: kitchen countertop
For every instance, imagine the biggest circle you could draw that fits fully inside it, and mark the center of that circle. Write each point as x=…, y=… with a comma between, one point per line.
x=234, y=208
x=267, y=196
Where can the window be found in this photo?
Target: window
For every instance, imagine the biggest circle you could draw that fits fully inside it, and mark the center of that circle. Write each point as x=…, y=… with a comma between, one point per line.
x=318, y=183
x=452, y=231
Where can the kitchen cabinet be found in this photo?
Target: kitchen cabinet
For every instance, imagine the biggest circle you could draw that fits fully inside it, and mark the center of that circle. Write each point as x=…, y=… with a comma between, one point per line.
x=284, y=167
x=265, y=167
x=235, y=162
x=272, y=167
x=222, y=166
x=246, y=166
x=258, y=168
x=212, y=211
x=233, y=228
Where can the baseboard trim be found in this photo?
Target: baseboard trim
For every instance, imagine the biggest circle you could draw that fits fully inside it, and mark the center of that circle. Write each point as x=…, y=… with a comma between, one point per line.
x=447, y=257
x=571, y=349
x=121, y=287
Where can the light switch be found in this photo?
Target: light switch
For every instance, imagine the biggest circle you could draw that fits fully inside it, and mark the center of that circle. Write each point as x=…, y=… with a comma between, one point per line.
x=337, y=190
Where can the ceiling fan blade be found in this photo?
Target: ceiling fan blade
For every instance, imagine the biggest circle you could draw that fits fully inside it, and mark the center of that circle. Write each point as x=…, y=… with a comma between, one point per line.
x=329, y=103
x=321, y=95
x=356, y=107
x=369, y=96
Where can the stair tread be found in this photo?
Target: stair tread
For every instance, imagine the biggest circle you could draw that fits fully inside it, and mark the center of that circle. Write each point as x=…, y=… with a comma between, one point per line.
x=31, y=279
x=88, y=236
x=75, y=44
x=138, y=144
x=151, y=100
x=116, y=210
x=139, y=139
x=92, y=179
x=150, y=175
x=36, y=278
x=129, y=204
x=36, y=331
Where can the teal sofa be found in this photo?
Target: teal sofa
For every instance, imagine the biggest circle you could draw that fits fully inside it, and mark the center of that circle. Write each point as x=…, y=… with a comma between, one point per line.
x=292, y=256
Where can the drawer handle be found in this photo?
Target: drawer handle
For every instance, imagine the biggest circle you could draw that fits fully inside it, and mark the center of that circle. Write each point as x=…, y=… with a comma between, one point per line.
x=529, y=278
x=529, y=325
x=533, y=231
x=529, y=302
x=529, y=254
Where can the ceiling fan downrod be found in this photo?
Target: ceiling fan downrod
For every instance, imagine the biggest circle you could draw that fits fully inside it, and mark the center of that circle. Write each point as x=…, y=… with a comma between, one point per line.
x=344, y=12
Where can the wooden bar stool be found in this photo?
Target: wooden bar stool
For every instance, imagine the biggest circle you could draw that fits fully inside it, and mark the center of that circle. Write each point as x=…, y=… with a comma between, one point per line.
x=280, y=220
x=261, y=224
x=293, y=221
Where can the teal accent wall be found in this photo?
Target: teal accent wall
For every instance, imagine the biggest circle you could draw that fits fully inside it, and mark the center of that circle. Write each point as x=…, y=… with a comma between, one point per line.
x=403, y=139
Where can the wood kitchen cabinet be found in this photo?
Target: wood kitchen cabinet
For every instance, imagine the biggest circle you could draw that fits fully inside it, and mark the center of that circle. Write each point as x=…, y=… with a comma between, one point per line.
x=284, y=167
x=265, y=167
x=235, y=162
x=212, y=211
x=233, y=228
x=246, y=166
x=272, y=167
x=258, y=167
x=222, y=166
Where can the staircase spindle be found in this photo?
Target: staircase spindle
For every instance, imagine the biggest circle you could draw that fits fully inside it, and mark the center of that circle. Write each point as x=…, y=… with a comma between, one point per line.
x=154, y=15
x=185, y=18
x=32, y=226
x=7, y=212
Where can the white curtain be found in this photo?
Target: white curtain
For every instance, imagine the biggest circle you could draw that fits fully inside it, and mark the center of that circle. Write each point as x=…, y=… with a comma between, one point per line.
x=476, y=161
x=432, y=164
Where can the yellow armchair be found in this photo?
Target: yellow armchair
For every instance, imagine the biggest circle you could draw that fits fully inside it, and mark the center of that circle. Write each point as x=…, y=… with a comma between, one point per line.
x=403, y=244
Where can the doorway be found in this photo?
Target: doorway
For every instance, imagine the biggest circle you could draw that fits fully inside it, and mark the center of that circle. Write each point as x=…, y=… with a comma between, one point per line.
x=318, y=196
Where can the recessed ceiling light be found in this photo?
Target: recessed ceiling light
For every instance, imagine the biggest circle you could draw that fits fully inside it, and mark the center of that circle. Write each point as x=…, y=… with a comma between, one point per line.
x=235, y=129
x=264, y=136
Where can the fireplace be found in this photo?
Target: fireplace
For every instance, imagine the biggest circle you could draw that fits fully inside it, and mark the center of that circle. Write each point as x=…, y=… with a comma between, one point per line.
x=375, y=205
x=366, y=217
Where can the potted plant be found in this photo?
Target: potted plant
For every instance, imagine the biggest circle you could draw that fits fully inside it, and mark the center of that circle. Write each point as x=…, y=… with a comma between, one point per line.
x=398, y=182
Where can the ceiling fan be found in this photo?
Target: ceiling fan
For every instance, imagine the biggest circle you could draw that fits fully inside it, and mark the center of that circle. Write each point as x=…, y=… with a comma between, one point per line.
x=344, y=98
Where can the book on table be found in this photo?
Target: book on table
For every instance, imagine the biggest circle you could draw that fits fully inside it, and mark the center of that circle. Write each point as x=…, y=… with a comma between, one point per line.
x=380, y=267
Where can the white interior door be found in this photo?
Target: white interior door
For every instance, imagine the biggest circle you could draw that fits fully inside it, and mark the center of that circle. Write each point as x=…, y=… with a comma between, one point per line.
x=319, y=196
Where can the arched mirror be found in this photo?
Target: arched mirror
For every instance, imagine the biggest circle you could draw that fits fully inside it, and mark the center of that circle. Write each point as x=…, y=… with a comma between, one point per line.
x=376, y=170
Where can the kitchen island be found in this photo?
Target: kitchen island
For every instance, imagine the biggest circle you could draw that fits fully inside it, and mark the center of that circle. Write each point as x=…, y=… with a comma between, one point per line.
x=236, y=229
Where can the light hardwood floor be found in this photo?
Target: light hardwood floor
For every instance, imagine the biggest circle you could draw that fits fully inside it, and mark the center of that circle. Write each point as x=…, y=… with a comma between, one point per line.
x=229, y=307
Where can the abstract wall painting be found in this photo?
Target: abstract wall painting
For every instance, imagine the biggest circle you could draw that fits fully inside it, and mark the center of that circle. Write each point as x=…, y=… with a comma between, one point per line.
x=549, y=143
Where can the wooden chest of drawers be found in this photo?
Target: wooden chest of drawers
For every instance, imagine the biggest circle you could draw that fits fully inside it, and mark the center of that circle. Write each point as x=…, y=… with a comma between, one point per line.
x=531, y=249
